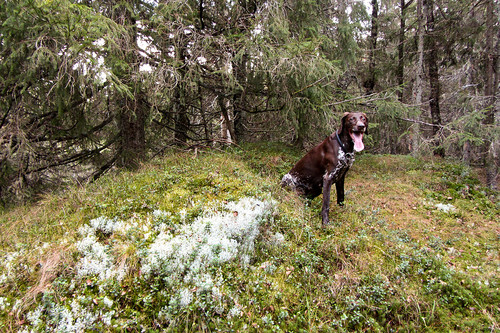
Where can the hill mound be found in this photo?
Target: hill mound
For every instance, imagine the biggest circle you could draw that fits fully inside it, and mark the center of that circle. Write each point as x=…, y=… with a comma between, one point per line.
x=209, y=241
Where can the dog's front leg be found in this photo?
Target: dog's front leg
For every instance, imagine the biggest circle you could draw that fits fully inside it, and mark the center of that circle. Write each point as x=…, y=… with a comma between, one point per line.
x=339, y=185
x=327, y=186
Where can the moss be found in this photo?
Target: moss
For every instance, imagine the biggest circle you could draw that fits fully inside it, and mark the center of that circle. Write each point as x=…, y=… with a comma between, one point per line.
x=390, y=260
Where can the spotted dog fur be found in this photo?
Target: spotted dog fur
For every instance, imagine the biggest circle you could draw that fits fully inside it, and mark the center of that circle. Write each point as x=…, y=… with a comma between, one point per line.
x=328, y=163
x=344, y=162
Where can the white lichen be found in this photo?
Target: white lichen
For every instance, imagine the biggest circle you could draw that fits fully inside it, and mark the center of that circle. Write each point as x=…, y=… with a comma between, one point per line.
x=447, y=208
x=185, y=257
x=213, y=238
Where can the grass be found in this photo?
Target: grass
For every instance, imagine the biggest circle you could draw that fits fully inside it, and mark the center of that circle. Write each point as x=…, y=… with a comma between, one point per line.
x=393, y=259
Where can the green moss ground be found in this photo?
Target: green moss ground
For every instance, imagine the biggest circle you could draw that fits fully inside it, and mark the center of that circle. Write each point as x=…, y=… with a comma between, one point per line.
x=390, y=260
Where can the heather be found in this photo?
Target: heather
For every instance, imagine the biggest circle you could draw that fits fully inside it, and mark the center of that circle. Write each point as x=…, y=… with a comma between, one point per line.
x=208, y=241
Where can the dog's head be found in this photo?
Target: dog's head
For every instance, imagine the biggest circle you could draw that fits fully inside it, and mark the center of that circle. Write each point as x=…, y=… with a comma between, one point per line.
x=356, y=125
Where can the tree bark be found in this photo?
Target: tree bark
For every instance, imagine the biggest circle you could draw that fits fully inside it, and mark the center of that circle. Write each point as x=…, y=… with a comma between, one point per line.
x=400, y=69
x=226, y=122
x=415, y=133
x=420, y=52
x=433, y=71
x=370, y=81
x=239, y=98
x=181, y=119
x=133, y=107
x=131, y=123
x=491, y=147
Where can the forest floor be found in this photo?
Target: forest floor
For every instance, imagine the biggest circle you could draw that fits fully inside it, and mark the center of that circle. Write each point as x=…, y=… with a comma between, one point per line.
x=210, y=242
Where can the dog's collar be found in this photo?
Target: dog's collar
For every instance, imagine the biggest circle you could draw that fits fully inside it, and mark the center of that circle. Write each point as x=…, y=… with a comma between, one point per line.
x=340, y=143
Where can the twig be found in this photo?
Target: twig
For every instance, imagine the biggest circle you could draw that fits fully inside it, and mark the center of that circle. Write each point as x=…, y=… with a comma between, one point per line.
x=355, y=99
x=420, y=122
x=309, y=86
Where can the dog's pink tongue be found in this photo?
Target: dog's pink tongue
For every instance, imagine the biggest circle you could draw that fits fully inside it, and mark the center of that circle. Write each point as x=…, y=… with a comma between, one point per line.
x=357, y=138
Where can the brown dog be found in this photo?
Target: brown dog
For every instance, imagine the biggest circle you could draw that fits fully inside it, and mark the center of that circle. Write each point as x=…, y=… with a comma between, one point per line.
x=328, y=162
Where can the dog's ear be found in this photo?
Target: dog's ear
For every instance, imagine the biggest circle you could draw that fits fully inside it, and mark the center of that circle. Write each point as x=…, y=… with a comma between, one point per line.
x=342, y=122
x=366, y=118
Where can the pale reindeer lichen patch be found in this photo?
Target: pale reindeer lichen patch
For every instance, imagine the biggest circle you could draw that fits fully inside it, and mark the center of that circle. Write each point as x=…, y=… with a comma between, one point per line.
x=185, y=258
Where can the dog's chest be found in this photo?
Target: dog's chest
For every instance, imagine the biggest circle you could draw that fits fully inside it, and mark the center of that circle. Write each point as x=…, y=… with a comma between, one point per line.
x=344, y=162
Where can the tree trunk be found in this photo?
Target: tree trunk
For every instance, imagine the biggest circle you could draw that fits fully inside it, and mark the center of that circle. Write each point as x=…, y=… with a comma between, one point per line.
x=181, y=119
x=400, y=69
x=466, y=152
x=203, y=113
x=370, y=81
x=417, y=89
x=227, y=128
x=491, y=146
x=420, y=52
x=239, y=98
x=433, y=71
x=133, y=109
x=131, y=122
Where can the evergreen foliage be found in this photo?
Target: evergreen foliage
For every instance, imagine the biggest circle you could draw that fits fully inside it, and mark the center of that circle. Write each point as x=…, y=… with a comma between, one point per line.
x=89, y=85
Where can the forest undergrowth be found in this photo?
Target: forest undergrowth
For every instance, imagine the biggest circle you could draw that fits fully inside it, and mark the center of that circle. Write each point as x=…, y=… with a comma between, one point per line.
x=210, y=242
